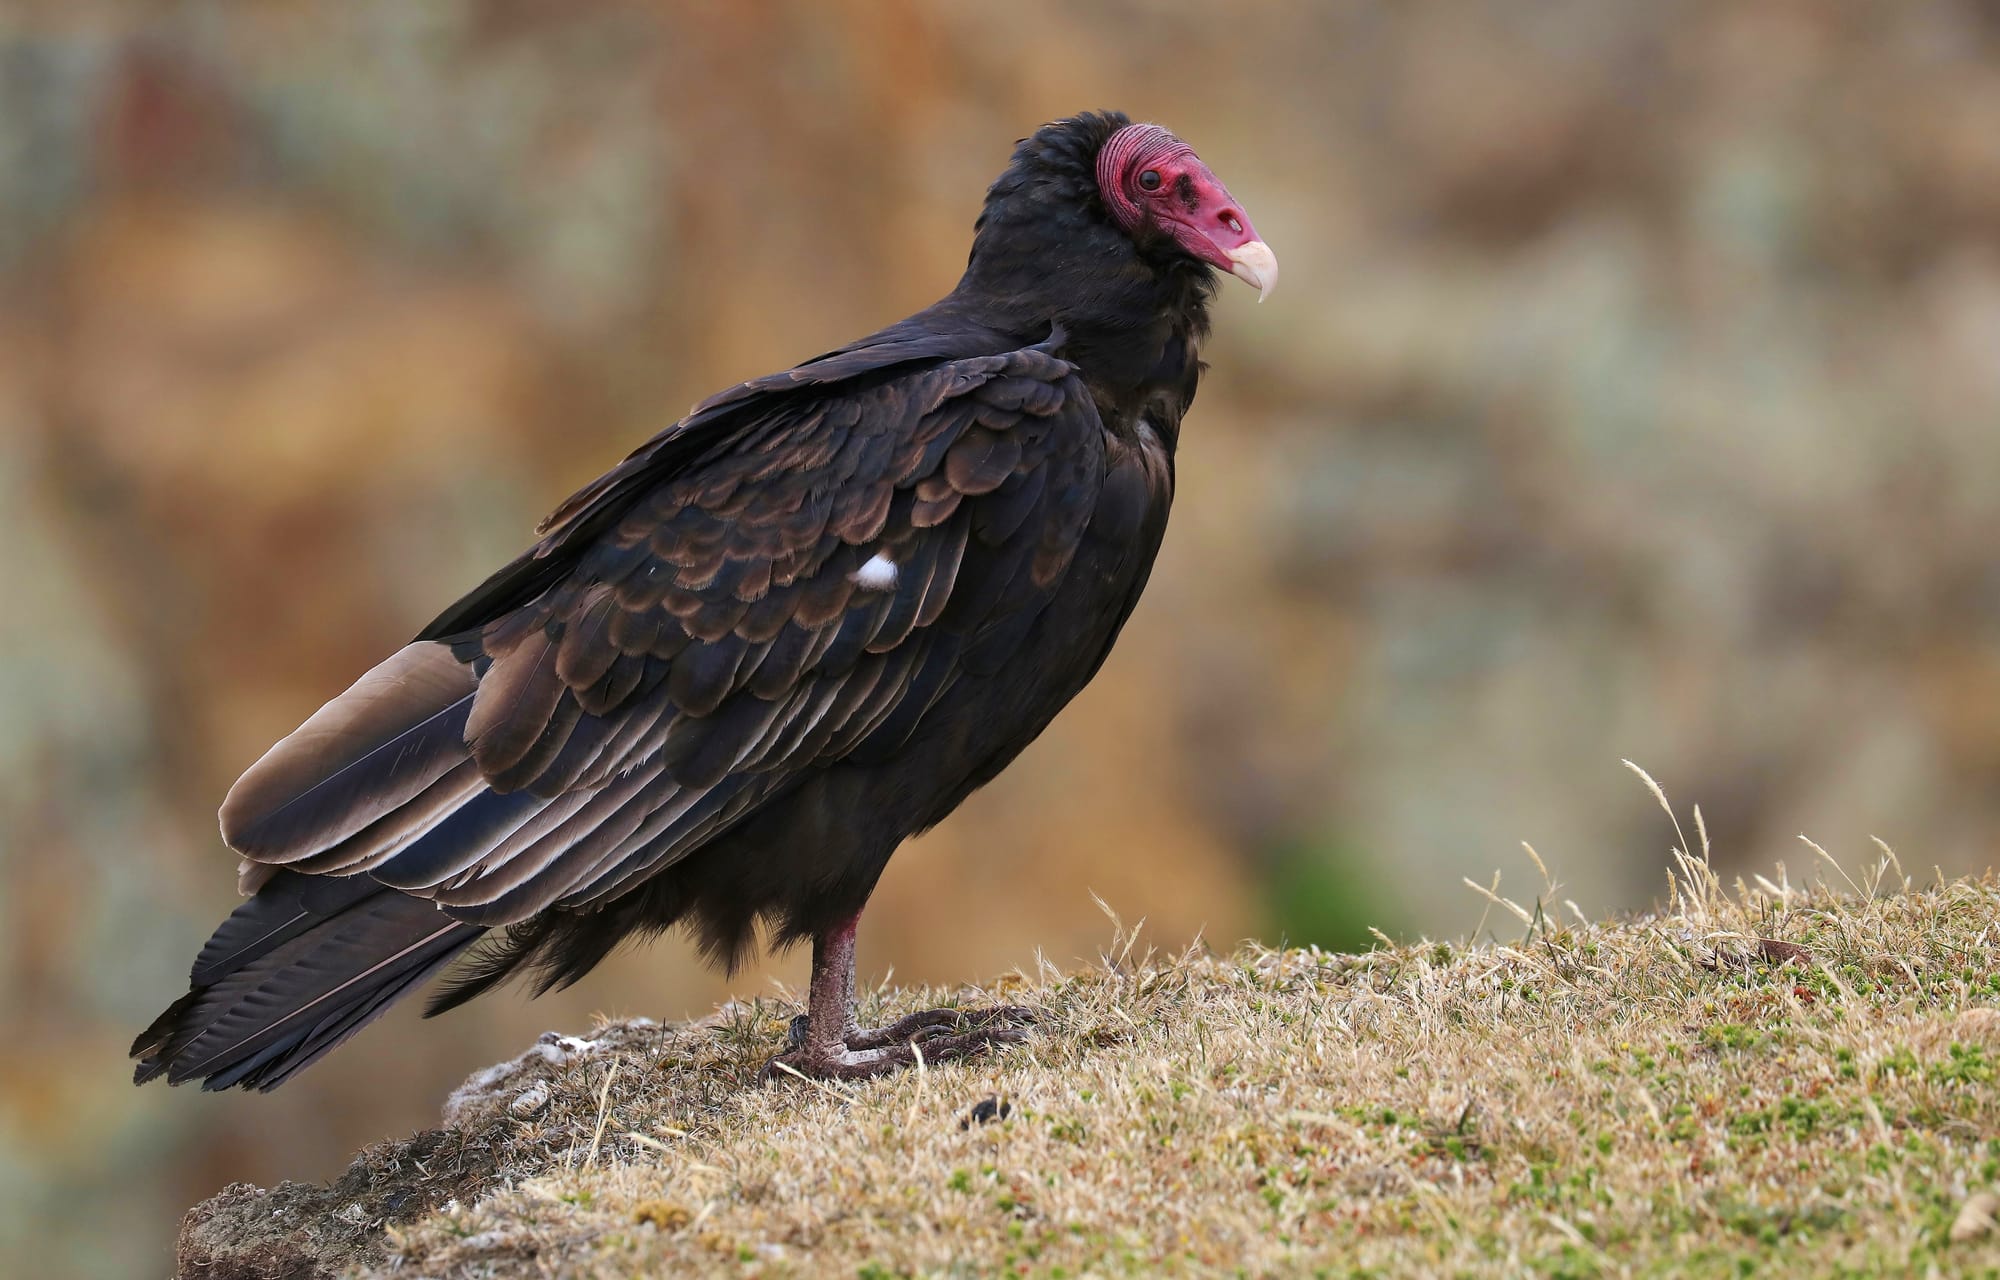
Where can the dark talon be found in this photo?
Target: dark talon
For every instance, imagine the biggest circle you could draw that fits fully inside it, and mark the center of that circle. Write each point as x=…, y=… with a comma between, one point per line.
x=929, y=1024
x=938, y=1035
x=1015, y=1013
x=914, y=1027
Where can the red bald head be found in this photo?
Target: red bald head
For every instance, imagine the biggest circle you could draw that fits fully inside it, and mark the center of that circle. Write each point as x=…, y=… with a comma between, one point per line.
x=1150, y=178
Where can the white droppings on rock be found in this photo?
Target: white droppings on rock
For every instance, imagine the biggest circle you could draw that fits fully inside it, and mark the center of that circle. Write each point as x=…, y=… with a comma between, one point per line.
x=483, y=1090
x=558, y=1049
x=879, y=574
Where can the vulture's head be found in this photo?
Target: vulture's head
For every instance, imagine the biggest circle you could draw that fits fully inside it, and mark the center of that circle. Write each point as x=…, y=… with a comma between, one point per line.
x=1154, y=185
x=1098, y=194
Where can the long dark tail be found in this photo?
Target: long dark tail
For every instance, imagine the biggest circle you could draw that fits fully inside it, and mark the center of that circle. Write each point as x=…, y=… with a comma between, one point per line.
x=293, y=972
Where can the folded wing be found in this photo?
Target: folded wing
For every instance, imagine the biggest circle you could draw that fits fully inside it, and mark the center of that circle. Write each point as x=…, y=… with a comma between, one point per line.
x=800, y=592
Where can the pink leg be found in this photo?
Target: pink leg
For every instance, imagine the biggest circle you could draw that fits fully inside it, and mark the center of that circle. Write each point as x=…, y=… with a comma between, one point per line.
x=831, y=1045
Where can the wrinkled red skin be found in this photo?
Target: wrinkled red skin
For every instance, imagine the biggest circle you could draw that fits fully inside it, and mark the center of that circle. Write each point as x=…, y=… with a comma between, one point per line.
x=1190, y=204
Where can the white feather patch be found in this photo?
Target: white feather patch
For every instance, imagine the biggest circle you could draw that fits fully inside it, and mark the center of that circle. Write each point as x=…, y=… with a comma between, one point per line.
x=879, y=574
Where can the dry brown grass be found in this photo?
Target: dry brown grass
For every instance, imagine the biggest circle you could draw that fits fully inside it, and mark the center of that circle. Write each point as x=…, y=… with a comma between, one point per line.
x=1760, y=1079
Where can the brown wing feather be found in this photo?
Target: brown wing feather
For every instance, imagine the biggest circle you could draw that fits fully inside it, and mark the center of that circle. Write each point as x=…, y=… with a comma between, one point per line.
x=343, y=768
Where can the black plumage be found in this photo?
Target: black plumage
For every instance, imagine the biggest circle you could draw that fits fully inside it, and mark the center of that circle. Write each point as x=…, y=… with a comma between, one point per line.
x=745, y=664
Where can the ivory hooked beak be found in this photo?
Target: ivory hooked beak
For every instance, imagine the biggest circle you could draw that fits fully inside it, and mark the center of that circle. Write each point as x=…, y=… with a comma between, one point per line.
x=1254, y=264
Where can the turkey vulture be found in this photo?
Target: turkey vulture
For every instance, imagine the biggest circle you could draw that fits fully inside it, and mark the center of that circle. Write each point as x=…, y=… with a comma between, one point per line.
x=742, y=666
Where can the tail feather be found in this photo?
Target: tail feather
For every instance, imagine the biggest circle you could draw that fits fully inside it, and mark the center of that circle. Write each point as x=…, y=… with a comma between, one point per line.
x=310, y=959
x=296, y=970
x=380, y=850
x=287, y=906
x=285, y=1058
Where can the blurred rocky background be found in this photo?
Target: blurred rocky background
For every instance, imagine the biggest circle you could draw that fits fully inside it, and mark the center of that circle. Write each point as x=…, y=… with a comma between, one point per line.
x=1633, y=390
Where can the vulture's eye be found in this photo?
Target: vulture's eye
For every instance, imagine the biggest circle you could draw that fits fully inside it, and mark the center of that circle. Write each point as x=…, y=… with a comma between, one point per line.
x=1150, y=180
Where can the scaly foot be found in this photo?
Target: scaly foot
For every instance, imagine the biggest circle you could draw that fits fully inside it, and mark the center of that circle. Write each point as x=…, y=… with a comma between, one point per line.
x=940, y=1035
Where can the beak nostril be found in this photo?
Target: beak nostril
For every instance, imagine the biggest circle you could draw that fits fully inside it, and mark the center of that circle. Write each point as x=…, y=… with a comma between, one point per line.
x=1231, y=221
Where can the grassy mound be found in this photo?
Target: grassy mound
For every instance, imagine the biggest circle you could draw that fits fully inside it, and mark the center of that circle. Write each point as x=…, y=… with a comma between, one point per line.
x=1754, y=1081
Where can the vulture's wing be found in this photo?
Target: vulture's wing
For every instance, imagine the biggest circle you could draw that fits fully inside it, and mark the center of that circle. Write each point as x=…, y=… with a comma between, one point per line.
x=799, y=591
x=712, y=428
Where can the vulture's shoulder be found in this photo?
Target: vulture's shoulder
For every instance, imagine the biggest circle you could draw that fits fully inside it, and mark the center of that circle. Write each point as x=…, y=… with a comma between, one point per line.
x=726, y=425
